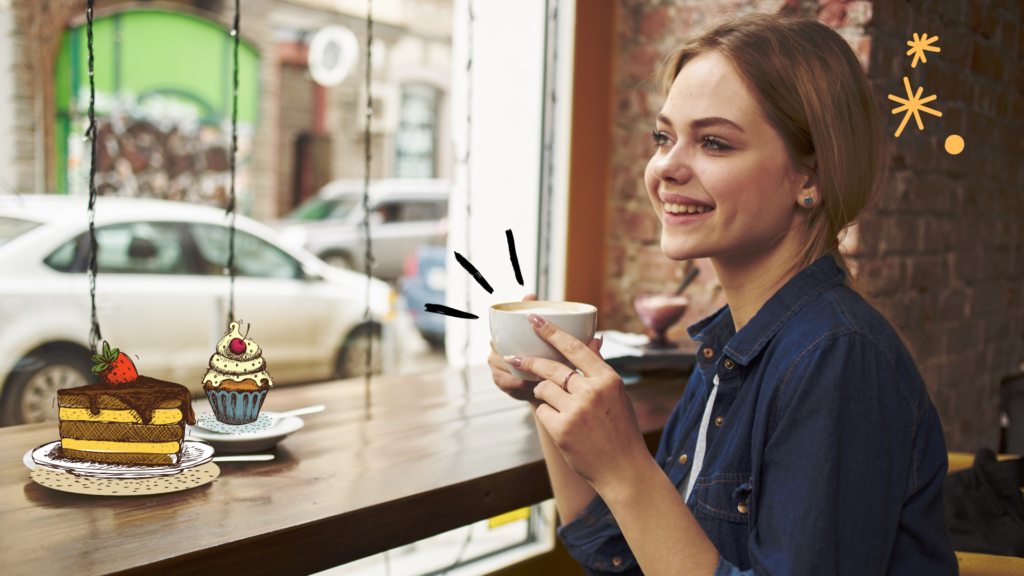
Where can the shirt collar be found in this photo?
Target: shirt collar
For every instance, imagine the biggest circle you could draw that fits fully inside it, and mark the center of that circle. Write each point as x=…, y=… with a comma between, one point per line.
x=821, y=275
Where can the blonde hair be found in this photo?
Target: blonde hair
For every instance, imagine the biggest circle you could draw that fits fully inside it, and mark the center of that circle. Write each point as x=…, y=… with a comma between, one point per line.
x=811, y=88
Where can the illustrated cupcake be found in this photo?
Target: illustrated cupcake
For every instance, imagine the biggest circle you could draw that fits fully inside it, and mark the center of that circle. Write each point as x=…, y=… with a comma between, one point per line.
x=237, y=381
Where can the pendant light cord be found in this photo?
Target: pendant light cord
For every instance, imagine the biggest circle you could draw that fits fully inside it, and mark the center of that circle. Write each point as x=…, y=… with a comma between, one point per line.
x=368, y=157
x=232, y=201
x=91, y=133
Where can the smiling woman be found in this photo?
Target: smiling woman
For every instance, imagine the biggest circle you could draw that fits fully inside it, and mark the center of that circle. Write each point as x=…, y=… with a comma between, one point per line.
x=806, y=441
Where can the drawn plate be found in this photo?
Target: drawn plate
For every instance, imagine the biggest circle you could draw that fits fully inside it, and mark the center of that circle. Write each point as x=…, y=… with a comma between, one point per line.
x=212, y=424
x=193, y=454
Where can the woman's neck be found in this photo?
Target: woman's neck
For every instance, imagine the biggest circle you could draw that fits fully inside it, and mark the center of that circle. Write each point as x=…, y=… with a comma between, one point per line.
x=751, y=278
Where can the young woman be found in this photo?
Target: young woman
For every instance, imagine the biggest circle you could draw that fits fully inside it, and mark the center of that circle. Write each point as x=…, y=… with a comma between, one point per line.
x=805, y=441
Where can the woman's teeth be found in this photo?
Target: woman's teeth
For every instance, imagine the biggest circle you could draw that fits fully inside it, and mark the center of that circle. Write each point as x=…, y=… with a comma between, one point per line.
x=686, y=209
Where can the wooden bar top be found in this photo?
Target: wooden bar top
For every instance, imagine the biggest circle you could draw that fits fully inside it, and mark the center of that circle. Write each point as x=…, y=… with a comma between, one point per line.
x=433, y=452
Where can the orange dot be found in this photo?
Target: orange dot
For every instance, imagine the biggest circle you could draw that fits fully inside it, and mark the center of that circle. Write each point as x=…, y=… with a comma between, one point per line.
x=954, y=144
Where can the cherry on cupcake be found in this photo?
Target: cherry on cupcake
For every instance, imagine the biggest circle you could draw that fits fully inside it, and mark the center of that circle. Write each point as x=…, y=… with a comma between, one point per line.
x=237, y=345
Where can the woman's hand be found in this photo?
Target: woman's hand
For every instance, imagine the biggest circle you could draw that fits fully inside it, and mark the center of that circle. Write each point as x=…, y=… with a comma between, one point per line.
x=509, y=384
x=592, y=423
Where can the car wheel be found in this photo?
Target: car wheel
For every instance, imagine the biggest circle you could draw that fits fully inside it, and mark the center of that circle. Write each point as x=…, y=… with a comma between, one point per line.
x=352, y=358
x=338, y=260
x=32, y=387
x=435, y=340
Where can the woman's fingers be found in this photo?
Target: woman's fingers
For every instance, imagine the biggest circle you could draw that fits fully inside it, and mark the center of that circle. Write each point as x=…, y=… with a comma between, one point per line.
x=584, y=357
x=551, y=393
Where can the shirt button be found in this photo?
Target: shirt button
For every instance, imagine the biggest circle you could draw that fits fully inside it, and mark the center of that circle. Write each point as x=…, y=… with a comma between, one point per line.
x=616, y=561
x=683, y=459
x=743, y=507
x=708, y=352
x=719, y=421
x=729, y=364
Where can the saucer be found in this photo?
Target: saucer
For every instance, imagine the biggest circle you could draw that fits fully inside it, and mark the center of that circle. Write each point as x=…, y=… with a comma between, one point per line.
x=250, y=441
x=211, y=424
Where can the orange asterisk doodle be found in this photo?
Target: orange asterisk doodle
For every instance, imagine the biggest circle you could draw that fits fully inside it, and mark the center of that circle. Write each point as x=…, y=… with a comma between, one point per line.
x=913, y=106
x=919, y=45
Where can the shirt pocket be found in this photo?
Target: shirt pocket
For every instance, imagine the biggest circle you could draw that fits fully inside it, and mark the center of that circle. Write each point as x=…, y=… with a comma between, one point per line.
x=723, y=496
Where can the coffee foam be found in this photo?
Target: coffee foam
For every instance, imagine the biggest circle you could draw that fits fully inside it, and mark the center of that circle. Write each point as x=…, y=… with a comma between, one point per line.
x=543, y=311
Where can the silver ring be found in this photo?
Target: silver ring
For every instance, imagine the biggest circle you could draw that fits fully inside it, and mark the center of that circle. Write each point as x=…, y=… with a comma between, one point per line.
x=565, y=383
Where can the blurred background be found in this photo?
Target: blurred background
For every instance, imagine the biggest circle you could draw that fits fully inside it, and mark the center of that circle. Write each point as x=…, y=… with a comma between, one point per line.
x=945, y=254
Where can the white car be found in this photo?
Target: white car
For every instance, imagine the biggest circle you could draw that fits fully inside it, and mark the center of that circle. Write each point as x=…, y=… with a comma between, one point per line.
x=405, y=213
x=162, y=295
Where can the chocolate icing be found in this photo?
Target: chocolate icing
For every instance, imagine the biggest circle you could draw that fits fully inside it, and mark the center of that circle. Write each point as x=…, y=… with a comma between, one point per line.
x=142, y=395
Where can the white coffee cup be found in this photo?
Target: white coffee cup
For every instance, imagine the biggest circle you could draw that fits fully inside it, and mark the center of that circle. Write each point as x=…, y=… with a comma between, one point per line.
x=512, y=332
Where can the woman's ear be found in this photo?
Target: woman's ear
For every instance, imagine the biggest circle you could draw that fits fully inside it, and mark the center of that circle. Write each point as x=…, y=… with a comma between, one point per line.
x=809, y=194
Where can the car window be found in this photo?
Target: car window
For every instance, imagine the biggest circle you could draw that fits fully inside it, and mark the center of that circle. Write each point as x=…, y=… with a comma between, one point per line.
x=11, y=228
x=139, y=248
x=254, y=257
x=412, y=211
x=320, y=209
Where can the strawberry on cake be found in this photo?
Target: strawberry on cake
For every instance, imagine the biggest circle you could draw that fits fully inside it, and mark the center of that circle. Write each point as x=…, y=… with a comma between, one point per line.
x=237, y=381
x=125, y=418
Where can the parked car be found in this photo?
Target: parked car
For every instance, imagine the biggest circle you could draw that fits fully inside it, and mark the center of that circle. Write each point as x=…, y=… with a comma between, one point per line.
x=404, y=214
x=423, y=282
x=162, y=297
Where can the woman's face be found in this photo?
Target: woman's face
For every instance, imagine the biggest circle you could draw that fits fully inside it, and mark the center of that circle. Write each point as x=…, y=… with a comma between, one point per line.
x=725, y=165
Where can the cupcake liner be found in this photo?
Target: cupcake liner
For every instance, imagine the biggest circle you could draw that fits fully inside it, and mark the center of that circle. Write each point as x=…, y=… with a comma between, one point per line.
x=236, y=407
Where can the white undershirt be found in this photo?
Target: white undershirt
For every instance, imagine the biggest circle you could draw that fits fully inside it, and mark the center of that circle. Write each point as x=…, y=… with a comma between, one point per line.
x=702, y=439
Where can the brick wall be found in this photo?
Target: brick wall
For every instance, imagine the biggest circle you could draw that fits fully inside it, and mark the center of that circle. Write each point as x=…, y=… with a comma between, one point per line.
x=945, y=252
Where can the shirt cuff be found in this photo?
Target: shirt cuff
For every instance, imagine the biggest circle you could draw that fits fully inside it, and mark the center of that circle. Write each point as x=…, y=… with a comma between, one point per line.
x=724, y=568
x=594, y=539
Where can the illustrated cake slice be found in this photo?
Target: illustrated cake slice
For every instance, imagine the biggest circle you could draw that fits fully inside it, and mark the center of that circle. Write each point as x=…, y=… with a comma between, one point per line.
x=125, y=418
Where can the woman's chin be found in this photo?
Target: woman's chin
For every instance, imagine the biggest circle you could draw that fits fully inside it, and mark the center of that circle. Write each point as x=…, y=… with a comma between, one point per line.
x=679, y=249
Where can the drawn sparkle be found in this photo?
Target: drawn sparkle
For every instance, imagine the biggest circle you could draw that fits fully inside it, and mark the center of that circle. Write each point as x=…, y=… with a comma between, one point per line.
x=913, y=106
x=919, y=45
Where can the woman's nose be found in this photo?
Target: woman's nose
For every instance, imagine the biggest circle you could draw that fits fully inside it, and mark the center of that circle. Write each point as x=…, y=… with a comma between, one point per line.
x=672, y=168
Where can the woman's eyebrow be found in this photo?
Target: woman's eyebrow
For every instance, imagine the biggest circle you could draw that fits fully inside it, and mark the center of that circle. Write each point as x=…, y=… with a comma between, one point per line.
x=703, y=122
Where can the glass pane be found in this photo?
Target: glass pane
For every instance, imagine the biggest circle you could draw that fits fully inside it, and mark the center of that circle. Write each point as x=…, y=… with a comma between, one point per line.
x=422, y=211
x=253, y=257
x=417, y=132
x=319, y=209
x=140, y=248
x=63, y=258
x=11, y=228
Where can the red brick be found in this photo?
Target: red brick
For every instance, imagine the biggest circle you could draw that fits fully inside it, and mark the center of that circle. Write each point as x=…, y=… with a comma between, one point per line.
x=653, y=24
x=885, y=275
x=962, y=337
x=616, y=261
x=899, y=234
x=986, y=60
x=929, y=273
x=967, y=266
x=952, y=306
x=640, y=62
x=640, y=226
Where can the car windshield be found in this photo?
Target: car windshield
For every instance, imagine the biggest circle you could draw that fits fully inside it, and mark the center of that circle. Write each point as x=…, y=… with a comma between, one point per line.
x=11, y=228
x=317, y=208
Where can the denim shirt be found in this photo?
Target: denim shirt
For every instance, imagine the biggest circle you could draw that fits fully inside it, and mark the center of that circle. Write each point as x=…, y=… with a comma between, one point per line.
x=825, y=454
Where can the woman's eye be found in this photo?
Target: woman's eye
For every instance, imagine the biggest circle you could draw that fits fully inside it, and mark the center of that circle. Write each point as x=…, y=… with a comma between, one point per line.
x=714, y=144
x=660, y=139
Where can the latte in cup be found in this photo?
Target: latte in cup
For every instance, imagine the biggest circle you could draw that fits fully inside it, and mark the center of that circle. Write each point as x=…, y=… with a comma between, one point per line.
x=513, y=333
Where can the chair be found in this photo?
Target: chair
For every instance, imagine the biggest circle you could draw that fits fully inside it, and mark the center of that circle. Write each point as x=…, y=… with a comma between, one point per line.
x=983, y=564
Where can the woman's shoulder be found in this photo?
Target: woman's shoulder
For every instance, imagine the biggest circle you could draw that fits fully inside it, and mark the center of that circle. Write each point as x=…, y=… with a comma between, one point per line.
x=841, y=317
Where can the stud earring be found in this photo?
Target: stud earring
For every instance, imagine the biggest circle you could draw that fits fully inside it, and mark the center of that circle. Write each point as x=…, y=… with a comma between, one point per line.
x=808, y=200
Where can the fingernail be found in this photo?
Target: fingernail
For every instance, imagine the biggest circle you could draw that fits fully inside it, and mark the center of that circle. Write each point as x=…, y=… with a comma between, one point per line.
x=514, y=361
x=537, y=320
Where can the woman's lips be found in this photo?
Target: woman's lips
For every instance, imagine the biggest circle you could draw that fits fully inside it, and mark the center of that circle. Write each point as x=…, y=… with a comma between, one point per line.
x=674, y=219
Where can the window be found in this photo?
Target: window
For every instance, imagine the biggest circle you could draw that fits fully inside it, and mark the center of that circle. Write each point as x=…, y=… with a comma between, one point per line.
x=317, y=208
x=412, y=211
x=253, y=257
x=415, y=141
x=136, y=248
x=11, y=228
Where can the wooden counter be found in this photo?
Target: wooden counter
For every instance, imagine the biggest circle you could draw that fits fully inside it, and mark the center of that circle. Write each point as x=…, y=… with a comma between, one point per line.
x=432, y=453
